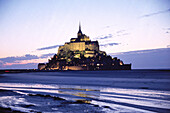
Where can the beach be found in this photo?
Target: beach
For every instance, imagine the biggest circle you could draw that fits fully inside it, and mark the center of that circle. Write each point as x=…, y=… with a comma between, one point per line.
x=86, y=91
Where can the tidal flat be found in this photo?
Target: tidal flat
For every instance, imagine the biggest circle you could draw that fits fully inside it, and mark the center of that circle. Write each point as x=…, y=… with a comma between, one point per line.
x=86, y=91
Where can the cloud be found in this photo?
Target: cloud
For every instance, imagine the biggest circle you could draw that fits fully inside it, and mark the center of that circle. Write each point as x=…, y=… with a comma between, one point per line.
x=18, y=58
x=49, y=47
x=108, y=26
x=1, y=64
x=25, y=57
x=109, y=44
x=104, y=37
x=19, y=61
x=168, y=46
x=15, y=61
x=167, y=30
x=120, y=31
x=20, y=66
x=125, y=34
x=146, y=59
x=47, y=55
x=156, y=13
x=142, y=51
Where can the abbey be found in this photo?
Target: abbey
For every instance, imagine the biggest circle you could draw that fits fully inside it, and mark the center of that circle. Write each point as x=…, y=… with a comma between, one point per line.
x=82, y=54
x=82, y=45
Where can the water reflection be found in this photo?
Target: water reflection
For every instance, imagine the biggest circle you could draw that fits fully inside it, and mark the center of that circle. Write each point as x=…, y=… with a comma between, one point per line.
x=52, y=89
x=115, y=98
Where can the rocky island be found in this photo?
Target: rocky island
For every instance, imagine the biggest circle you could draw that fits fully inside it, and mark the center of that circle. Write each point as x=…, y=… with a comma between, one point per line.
x=82, y=54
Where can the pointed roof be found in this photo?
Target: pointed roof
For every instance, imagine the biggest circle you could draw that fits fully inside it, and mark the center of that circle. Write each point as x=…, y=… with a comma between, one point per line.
x=80, y=28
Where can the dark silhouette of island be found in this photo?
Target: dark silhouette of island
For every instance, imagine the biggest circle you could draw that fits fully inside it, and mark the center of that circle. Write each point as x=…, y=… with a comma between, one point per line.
x=82, y=54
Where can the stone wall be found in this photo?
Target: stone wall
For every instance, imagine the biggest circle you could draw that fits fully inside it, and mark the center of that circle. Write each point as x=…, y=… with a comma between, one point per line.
x=92, y=47
x=74, y=68
x=77, y=46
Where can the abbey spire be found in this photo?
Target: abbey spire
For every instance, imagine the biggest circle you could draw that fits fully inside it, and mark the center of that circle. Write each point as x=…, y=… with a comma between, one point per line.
x=79, y=32
x=79, y=26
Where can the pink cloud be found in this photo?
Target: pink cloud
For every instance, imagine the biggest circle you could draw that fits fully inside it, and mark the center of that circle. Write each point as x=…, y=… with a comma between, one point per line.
x=26, y=61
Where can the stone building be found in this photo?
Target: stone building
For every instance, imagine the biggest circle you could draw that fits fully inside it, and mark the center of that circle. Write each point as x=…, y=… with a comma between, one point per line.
x=41, y=66
x=82, y=44
x=83, y=54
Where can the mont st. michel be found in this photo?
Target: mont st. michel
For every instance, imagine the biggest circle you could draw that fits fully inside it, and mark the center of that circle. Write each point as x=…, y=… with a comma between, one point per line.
x=82, y=54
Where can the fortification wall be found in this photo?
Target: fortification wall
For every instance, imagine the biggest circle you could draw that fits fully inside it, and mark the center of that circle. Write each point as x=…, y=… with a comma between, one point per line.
x=92, y=47
x=77, y=46
x=75, y=68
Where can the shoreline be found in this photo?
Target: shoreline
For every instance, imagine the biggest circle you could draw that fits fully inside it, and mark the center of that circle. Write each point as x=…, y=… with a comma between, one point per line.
x=4, y=71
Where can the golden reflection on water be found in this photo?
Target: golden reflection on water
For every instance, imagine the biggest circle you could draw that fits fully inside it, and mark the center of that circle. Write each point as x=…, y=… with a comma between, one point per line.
x=81, y=94
x=78, y=92
x=80, y=89
x=83, y=101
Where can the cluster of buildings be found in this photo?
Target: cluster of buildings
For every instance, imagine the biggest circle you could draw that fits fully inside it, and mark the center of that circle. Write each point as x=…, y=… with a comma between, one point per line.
x=82, y=54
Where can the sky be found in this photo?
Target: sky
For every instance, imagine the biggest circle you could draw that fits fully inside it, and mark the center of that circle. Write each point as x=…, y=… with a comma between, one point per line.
x=136, y=31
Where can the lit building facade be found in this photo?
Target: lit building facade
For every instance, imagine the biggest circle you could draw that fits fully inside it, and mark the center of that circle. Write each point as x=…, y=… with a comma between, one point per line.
x=82, y=43
x=82, y=54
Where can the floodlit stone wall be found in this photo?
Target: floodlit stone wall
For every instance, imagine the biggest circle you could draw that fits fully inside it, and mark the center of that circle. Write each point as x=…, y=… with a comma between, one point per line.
x=92, y=47
x=85, y=38
x=77, y=46
x=74, y=68
x=89, y=55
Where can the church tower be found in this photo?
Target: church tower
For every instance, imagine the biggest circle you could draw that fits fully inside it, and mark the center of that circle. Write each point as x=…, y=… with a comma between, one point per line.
x=80, y=36
x=79, y=32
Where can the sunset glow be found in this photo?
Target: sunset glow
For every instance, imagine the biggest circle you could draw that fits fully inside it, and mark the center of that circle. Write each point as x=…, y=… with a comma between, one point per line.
x=37, y=28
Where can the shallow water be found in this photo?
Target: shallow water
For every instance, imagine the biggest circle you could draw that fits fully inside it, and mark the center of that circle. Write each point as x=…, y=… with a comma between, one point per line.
x=86, y=91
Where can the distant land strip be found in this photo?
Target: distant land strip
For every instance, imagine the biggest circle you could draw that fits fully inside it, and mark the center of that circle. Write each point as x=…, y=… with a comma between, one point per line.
x=3, y=71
